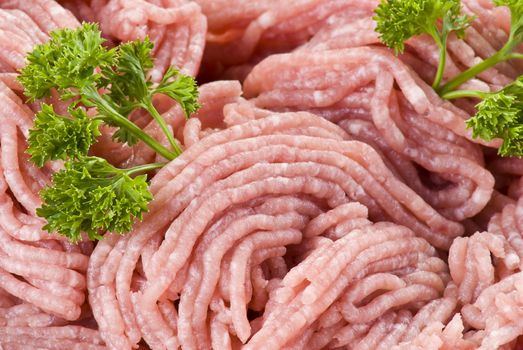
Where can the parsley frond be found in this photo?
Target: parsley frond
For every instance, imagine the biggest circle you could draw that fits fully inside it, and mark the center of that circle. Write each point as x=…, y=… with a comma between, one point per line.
x=500, y=115
x=127, y=79
x=68, y=60
x=181, y=88
x=114, y=81
x=55, y=136
x=90, y=195
x=130, y=87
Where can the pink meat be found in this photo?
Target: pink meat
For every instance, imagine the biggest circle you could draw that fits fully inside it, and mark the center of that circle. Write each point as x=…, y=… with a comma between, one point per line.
x=176, y=27
x=411, y=127
x=253, y=30
x=437, y=336
x=305, y=294
x=481, y=41
x=42, y=278
x=56, y=338
x=212, y=177
x=509, y=224
x=496, y=313
x=47, y=14
x=314, y=212
x=470, y=263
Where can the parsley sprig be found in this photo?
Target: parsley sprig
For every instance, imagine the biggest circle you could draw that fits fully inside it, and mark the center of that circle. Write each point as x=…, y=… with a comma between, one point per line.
x=499, y=114
x=399, y=20
x=90, y=195
x=505, y=53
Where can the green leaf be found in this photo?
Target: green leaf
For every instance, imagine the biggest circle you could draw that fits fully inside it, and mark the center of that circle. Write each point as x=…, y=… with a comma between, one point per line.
x=90, y=195
x=124, y=136
x=66, y=62
x=56, y=136
x=128, y=79
x=500, y=115
x=180, y=87
x=399, y=20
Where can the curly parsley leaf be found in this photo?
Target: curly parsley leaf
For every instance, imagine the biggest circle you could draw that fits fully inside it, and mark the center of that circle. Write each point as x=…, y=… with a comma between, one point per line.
x=68, y=60
x=90, y=195
x=127, y=80
x=500, y=115
x=181, y=88
x=55, y=136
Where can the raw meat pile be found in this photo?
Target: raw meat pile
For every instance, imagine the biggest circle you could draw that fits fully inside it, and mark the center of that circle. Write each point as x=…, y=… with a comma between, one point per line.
x=326, y=198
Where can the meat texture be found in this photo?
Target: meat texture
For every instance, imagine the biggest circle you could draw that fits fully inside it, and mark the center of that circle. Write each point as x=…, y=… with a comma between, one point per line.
x=255, y=186
x=42, y=276
x=422, y=138
x=496, y=314
x=508, y=224
x=356, y=279
x=177, y=29
x=482, y=40
x=256, y=29
x=24, y=25
x=329, y=200
x=471, y=267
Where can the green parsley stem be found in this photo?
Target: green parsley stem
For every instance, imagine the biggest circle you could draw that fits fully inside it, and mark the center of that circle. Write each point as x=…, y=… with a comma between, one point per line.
x=441, y=42
x=123, y=122
x=144, y=168
x=515, y=56
x=464, y=93
x=148, y=105
x=505, y=53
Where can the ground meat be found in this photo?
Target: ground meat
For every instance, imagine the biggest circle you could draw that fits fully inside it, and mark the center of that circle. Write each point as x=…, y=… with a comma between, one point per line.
x=327, y=199
x=508, y=224
x=253, y=30
x=216, y=175
x=496, y=313
x=177, y=29
x=473, y=278
x=405, y=125
x=361, y=263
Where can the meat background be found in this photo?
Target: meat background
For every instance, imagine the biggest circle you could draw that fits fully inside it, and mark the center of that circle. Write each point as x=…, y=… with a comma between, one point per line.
x=327, y=198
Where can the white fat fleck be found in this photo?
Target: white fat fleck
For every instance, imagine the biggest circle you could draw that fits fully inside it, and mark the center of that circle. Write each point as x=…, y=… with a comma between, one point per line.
x=512, y=259
x=331, y=20
x=359, y=192
x=418, y=97
x=478, y=196
x=190, y=171
x=266, y=20
x=319, y=96
x=413, y=153
x=446, y=117
x=156, y=74
x=55, y=10
x=355, y=128
x=337, y=32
